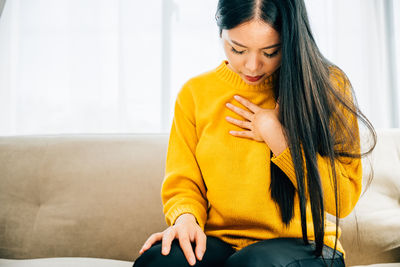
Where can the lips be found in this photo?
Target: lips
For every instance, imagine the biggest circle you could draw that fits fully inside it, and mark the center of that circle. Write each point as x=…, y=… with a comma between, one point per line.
x=253, y=78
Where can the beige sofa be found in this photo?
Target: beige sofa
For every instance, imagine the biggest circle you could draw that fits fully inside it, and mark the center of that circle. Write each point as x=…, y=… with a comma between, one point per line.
x=92, y=200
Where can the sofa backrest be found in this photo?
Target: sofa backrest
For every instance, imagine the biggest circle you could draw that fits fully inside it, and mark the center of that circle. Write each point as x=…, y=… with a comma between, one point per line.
x=371, y=233
x=80, y=195
x=98, y=195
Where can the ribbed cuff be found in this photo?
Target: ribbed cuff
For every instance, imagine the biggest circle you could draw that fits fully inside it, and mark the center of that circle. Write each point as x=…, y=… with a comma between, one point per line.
x=174, y=213
x=285, y=163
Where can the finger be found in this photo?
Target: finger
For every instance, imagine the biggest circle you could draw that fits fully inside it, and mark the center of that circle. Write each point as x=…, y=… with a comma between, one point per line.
x=201, y=241
x=187, y=249
x=167, y=239
x=247, y=103
x=150, y=241
x=240, y=123
x=244, y=113
x=246, y=134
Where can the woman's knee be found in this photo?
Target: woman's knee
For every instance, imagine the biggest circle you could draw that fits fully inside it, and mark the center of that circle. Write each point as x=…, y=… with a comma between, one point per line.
x=279, y=252
x=153, y=257
x=216, y=253
x=250, y=259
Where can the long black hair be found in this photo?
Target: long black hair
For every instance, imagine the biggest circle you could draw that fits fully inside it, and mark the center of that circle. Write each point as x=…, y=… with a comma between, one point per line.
x=318, y=109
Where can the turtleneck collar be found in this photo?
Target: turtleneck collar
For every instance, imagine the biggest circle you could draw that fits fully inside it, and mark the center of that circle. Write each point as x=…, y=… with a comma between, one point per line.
x=234, y=79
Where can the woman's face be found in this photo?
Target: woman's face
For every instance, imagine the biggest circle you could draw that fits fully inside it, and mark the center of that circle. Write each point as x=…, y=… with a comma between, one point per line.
x=252, y=50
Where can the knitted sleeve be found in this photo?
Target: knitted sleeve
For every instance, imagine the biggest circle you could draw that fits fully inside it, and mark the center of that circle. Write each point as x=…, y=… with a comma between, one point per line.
x=183, y=189
x=348, y=170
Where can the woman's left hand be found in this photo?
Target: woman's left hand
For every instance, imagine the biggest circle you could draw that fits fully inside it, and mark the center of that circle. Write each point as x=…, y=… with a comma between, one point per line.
x=263, y=124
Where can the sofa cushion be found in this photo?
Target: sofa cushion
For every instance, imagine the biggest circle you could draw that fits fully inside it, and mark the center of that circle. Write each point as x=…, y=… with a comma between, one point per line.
x=65, y=262
x=97, y=262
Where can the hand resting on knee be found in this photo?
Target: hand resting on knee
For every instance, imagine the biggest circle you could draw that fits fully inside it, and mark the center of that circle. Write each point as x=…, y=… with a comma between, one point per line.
x=186, y=230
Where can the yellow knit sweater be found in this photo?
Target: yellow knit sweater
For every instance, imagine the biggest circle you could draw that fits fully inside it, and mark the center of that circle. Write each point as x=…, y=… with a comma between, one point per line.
x=223, y=180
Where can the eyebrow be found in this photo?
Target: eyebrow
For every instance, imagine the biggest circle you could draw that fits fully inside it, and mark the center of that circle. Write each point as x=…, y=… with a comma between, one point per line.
x=271, y=46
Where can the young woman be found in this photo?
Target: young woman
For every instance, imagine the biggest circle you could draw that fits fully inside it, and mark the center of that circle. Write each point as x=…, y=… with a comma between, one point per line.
x=260, y=149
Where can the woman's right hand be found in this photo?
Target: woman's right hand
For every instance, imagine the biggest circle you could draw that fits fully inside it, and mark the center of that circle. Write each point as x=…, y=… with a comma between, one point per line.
x=186, y=230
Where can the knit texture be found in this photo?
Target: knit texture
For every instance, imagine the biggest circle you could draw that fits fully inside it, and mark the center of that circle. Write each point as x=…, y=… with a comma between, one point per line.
x=224, y=180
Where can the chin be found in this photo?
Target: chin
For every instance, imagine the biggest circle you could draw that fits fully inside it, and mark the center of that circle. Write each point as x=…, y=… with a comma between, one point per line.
x=252, y=83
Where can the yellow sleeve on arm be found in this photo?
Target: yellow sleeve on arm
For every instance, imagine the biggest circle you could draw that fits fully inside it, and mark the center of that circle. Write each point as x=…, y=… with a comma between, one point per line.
x=348, y=170
x=183, y=189
x=348, y=175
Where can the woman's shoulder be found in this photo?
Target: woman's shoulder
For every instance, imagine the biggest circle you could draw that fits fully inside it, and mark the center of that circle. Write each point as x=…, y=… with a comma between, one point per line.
x=338, y=76
x=197, y=84
x=339, y=80
x=207, y=76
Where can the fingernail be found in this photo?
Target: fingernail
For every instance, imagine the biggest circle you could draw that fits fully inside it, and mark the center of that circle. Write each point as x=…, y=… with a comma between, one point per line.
x=201, y=256
x=236, y=97
x=192, y=261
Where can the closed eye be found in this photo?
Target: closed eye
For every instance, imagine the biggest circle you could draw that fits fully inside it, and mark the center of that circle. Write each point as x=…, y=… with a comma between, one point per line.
x=271, y=55
x=236, y=51
x=265, y=54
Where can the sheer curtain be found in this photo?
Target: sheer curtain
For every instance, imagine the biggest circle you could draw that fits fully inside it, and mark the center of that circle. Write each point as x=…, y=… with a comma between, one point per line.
x=361, y=37
x=100, y=66
x=80, y=66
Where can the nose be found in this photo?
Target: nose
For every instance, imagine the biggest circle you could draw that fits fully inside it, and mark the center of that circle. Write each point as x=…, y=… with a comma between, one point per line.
x=253, y=64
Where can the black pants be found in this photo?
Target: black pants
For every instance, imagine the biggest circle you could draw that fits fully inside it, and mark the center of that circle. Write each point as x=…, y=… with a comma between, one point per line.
x=290, y=252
